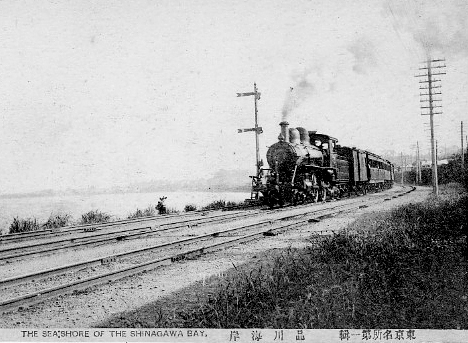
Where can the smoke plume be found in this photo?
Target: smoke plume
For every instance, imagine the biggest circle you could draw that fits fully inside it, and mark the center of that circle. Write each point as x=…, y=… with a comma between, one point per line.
x=297, y=94
x=364, y=56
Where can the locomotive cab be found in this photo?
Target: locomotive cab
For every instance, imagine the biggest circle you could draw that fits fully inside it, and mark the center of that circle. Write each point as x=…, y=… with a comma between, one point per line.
x=327, y=145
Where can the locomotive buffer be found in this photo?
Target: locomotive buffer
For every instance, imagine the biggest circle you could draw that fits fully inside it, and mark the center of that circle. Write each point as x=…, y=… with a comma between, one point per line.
x=258, y=130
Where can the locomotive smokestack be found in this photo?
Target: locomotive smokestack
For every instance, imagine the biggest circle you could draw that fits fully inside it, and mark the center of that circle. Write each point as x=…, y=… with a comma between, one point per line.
x=284, y=131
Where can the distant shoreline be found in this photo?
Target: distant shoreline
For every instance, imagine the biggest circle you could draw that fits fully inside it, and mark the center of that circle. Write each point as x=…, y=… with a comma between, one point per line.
x=47, y=193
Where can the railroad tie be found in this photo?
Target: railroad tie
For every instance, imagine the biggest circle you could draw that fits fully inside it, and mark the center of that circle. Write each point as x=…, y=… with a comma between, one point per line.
x=109, y=259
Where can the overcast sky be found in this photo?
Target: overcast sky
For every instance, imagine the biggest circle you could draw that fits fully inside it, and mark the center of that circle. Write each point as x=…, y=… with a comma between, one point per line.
x=104, y=93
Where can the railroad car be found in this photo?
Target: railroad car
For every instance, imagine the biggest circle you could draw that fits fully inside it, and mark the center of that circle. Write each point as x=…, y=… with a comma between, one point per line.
x=310, y=166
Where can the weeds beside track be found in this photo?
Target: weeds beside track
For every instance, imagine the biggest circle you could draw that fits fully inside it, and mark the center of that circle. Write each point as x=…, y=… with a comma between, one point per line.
x=406, y=268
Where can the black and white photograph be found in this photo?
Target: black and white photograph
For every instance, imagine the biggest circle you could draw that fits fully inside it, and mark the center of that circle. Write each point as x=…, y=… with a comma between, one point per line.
x=234, y=171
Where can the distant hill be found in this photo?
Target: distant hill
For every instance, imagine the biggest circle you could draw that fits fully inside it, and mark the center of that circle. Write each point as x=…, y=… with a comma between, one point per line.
x=222, y=181
x=444, y=152
x=230, y=179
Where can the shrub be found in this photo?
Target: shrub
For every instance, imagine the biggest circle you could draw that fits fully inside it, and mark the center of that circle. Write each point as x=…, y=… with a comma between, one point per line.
x=161, y=207
x=56, y=221
x=214, y=205
x=190, y=208
x=137, y=214
x=221, y=204
x=147, y=212
x=94, y=217
x=171, y=210
x=234, y=203
x=24, y=225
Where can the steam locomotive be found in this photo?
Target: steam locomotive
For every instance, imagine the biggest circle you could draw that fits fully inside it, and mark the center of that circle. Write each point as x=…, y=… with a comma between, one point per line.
x=310, y=166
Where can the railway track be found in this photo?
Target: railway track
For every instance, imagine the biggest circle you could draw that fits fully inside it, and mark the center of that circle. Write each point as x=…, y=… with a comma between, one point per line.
x=51, y=233
x=90, y=238
x=169, y=253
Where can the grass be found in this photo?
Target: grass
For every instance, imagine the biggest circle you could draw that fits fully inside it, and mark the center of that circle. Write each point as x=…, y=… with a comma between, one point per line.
x=234, y=203
x=403, y=269
x=220, y=204
x=149, y=211
x=94, y=217
x=23, y=225
x=56, y=221
x=91, y=217
x=31, y=224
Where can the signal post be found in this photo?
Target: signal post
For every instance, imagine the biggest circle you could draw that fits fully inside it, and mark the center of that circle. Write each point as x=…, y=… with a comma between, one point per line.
x=258, y=130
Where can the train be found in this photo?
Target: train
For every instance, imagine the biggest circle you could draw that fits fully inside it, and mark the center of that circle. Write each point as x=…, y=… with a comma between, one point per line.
x=306, y=166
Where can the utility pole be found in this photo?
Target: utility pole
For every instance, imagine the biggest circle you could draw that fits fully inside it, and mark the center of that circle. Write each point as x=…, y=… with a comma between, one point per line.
x=405, y=167
x=462, y=151
x=429, y=98
x=418, y=166
x=401, y=169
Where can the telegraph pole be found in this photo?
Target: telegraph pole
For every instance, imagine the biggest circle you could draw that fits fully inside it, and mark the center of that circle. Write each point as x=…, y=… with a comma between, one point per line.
x=418, y=167
x=401, y=169
x=462, y=151
x=430, y=98
x=405, y=167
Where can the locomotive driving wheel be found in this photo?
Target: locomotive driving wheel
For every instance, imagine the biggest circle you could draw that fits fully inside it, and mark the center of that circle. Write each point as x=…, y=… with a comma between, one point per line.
x=294, y=200
x=322, y=194
x=324, y=186
x=274, y=197
x=314, y=193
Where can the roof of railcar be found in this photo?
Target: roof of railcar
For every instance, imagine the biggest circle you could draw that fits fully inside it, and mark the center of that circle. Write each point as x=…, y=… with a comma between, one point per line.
x=377, y=157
